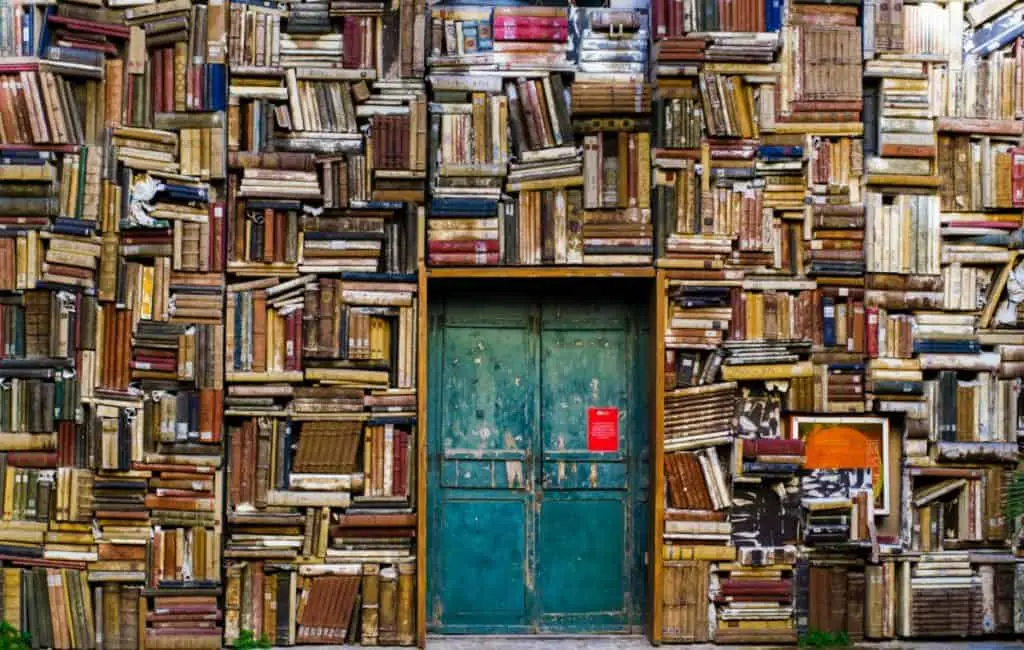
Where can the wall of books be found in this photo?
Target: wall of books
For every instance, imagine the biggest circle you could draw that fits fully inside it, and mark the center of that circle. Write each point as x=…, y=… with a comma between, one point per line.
x=837, y=196
x=208, y=226
x=540, y=148
x=216, y=224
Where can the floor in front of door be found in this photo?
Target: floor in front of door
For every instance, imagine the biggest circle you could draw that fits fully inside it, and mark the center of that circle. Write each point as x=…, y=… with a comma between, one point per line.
x=639, y=642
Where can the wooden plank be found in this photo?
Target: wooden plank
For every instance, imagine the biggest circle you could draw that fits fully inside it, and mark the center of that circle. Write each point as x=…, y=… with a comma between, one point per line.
x=657, y=489
x=421, y=457
x=542, y=272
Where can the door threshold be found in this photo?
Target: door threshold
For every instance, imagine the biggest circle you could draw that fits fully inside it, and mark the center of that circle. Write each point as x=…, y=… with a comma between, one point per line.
x=535, y=636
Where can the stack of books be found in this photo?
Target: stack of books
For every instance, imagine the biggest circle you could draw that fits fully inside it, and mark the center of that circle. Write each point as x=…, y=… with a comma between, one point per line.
x=327, y=165
x=543, y=151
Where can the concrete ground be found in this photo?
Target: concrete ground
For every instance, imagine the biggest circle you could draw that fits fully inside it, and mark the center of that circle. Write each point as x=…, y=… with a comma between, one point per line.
x=640, y=643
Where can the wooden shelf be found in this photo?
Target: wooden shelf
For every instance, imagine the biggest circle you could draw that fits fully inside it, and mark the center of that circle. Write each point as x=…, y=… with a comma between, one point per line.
x=540, y=272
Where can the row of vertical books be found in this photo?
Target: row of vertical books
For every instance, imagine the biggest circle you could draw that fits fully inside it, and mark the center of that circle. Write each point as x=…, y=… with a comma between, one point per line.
x=206, y=287
x=835, y=204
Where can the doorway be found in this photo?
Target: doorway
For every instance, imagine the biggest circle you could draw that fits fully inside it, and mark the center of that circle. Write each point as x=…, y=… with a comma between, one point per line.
x=538, y=467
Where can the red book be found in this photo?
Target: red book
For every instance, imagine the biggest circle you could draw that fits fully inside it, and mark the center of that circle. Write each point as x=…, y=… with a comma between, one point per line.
x=471, y=246
x=89, y=26
x=772, y=447
x=36, y=459
x=733, y=587
x=515, y=33
x=872, y=331
x=66, y=40
x=997, y=225
x=531, y=22
x=1017, y=175
x=18, y=67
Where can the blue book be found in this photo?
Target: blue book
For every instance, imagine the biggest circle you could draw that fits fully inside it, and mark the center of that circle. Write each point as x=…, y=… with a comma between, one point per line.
x=28, y=32
x=24, y=157
x=44, y=33
x=469, y=37
x=72, y=227
x=772, y=15
x=455, y=207
x=927, y=346
x=484, y=36
x=289, y=441
x=828, y=309
x=236, y=361
x=770, y=468
x=997, y=34
x=186, y=193
x=780, y=151
x=217, y=86
x=405, y=419
x=846, y=367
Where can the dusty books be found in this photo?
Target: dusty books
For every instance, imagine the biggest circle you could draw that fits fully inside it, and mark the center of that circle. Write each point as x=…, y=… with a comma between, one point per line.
x=539, y=167
x=833, y=207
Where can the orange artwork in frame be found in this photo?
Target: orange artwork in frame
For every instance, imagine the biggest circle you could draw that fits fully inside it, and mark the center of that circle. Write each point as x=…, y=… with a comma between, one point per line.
x=848, y=443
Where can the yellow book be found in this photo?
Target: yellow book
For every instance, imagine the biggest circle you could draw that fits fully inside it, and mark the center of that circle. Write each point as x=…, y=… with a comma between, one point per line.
x=21, y=262
x=12, y=597
x=714, y=553
x=479, y=127
x=66, y=576
x=852, y=129
x=643, y=183
x=90, y=621
x=904, y=180
x=765, y=372
x=146, y=295
x=547, y=183
x=671, y=552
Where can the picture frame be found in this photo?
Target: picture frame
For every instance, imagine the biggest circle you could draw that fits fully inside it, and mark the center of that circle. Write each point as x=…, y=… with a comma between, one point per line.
x=848, y=442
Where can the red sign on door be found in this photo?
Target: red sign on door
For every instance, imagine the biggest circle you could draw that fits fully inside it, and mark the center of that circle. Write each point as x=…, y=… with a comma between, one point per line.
x=602, y=428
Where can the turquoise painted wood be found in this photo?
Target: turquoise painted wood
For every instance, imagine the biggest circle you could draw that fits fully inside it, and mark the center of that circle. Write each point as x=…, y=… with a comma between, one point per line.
x=530, y=531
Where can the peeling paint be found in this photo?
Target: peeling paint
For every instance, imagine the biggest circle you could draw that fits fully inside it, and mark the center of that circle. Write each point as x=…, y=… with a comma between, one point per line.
x=560, y=444
x=593, y=475
x=513, y=468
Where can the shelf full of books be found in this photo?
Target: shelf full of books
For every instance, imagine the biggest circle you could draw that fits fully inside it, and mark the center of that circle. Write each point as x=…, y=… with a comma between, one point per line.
x=213, y=222
x=327, y=128
x=209, y=307
x=837, y=229
x=112, y=144
x=539, y=137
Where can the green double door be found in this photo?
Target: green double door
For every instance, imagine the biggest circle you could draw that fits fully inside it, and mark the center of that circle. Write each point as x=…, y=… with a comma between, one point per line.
x=537, y=464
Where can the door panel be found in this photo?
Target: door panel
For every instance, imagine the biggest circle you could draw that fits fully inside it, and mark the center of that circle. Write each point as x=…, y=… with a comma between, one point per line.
x=484, y=403
x=520, y=511
x=489, y=397
x=486, y=543
x=583, y=554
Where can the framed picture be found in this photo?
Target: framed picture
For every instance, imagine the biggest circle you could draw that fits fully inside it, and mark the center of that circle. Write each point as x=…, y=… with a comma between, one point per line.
x=848, y=443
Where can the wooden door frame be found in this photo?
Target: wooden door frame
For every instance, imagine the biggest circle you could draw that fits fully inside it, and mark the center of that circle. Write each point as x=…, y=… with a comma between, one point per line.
x=655, y=384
